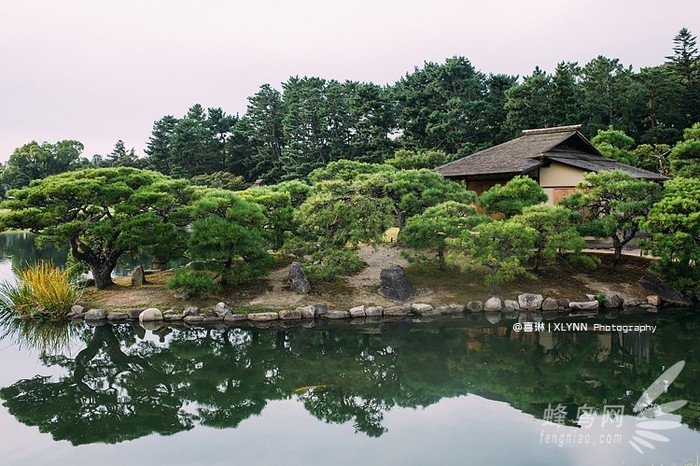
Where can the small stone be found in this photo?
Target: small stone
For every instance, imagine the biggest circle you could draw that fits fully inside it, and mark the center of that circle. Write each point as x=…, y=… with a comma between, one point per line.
x=95, y=314
x=396, y=311
x=183, y=296
x=77, y=310
x=337, y=315
x=475, y=306
x=420, y=308
x=357, y=311
x=138, y=277
x=613, y=301
x=307, y=312
x=263, y=316
x=168, y=312
x=134, y=313
x=530, y=301
x=550, y=304
x=563, y=303
x=191, y=311
x=584, y=305
x=320, y=309
x=151, y=314
x=374, y=311
x=450, y=309
x=297, y=279
x=117, y=316
x=511, y=305
x=172, y=317
x=192, y=319
x=221, y=309
x=290, y=315
x=654, y=300
x=232, y=318
x=493, y=304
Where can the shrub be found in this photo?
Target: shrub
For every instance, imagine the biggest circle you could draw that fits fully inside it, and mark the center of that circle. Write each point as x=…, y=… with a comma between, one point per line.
x=42, y=290
x=193, y=282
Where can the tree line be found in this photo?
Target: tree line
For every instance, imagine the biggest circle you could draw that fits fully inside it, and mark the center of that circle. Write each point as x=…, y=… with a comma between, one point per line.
x=450, y=107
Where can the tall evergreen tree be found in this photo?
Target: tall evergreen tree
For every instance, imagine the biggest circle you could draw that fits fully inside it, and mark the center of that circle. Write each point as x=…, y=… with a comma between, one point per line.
x=685, y=63
x=529, y=104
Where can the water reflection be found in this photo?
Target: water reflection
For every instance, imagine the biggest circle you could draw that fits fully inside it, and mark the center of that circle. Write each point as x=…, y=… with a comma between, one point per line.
x=126, y=383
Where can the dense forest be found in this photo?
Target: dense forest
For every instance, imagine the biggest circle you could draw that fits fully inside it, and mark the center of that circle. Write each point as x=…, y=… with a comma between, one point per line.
x=450, y=107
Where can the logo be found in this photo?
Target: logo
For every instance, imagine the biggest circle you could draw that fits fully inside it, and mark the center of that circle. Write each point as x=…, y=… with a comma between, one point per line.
x=647, y=430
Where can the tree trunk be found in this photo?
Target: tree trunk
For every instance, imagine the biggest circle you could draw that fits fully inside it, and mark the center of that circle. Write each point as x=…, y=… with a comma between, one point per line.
x=617, y=244
x=102, y=274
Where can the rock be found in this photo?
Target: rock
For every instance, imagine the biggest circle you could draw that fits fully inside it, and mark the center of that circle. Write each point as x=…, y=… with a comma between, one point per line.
x=212, y=319
x=232, y=318
x=493, y=304
x=631, y=302
x=151, y=314
x=475, y=306
x=297, y=279
x=172, y=317
x=77, y=310
x=117, y=316
x=138, y=277
x=320, y=309
x=184, y=296
x=647, y=306
x=550, y=304
x=654, y=300
x=420, y=308
x=95, y=314
x=584, y=305
x=193, y=319
x=336, y=315
x=168, y=312
x=563, y=303
x=493, y=317
x=394, y=284
x=450, y=309
x=159, y=264
x=374, y=311
x=511, y=305
x=191, y=311
x=613, y=301
x=357, y=311
x=590, y=297
x=290, y=315
x=221, y=309
x=667, y=295
x=134, y=313
x=396, y=311
x=307, y=312
x=263, y=316
x=530, y=301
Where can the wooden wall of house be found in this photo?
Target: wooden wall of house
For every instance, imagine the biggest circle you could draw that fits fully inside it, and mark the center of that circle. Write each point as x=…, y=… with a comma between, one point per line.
x=559, y=180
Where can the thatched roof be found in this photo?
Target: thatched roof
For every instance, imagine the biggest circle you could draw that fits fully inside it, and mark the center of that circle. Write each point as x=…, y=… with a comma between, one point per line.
x=563, y=144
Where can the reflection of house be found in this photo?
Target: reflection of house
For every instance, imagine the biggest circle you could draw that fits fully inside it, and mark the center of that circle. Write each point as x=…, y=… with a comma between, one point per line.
x=557, y=158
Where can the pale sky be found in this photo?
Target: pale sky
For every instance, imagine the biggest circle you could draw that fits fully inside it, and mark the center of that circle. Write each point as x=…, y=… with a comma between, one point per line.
x=102, y=70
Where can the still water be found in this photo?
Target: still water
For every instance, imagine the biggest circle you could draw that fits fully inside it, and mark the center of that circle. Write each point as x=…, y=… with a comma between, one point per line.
x=443, y=392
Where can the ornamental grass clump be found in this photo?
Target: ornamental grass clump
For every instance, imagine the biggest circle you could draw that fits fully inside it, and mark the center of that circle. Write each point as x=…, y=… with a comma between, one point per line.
x=42, y=291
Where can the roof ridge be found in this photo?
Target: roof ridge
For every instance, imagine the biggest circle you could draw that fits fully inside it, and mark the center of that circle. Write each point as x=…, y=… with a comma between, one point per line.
x=555, y=129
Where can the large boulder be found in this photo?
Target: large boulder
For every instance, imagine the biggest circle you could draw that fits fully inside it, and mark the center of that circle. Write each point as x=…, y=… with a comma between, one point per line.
x=138, y=277
x=530, y=301
x=297, y=279
x=394, y=284
x=493, y=304
x=656, y=286
x=151, y=314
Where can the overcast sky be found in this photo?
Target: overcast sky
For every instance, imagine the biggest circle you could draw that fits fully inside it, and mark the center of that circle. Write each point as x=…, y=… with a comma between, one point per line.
x=98, y=71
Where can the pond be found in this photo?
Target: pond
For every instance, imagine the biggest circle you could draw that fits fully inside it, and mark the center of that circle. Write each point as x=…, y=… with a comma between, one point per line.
x=448, y=391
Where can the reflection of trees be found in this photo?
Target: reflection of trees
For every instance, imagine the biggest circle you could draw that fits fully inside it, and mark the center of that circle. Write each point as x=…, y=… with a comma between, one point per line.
x=120, y=387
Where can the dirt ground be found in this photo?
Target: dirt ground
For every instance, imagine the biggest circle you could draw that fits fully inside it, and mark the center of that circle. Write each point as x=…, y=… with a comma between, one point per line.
x=433, y=286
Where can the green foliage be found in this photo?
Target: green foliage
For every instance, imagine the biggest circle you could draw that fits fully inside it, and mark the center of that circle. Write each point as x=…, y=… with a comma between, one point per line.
x=34, y=161
x=615, y=144
x=556, y=234
x=193, y=282
x=279, y=212
x=432, y=229
x=511, y=198
x=653, y=157
x=227, y=234
x=503, y=246
x=42, y=291
x=298, y=191
x=528, y=104
x=102, y=214
x=674, y=224
x=407, y=159
x=685, y=156
x=220, y=180
x=612, y=204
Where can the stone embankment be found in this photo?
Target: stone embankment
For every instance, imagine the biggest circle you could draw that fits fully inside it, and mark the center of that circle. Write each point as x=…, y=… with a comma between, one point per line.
x=221, y=313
